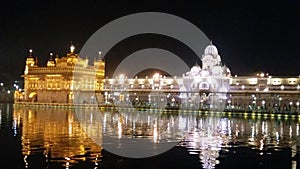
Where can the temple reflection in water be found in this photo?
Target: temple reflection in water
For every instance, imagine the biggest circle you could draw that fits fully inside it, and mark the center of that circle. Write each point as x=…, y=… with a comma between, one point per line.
x=57, y=134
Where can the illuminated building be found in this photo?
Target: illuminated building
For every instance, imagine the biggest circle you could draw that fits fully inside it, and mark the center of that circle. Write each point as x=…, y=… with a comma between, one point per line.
x=61, y=79
x=265, y=91
x=210, y=85
x=194, y=89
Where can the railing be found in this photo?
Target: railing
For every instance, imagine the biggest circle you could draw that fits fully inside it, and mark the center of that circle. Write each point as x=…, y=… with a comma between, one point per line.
x=70, y=105
x=294, y=112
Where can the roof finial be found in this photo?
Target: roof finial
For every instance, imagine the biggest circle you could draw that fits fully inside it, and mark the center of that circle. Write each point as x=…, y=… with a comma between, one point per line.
x=51, y=56
x=99, y=55
x=72, y=48
x=30, y=52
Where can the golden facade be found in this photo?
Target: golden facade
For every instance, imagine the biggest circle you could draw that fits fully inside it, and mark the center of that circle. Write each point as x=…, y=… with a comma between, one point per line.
x=61, y=79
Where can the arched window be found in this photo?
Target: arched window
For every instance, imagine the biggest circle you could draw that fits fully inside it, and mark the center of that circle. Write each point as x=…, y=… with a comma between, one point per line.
x=204, y=86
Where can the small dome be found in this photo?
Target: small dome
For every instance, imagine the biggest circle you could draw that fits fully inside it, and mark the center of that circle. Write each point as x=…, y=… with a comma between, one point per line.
x=217, y=70
x=226, y=69
x=211, y=50
x=207, y=58
x=204, y=73
x=195, y=69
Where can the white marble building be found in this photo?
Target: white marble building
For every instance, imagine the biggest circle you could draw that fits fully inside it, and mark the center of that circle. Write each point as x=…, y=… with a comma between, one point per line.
x=208, y=84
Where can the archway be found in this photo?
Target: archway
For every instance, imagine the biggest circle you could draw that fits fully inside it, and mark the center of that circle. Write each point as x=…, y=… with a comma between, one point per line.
x=33, y=97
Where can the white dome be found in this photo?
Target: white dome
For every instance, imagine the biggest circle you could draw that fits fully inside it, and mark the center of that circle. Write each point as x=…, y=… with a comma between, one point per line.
x=204, y=73
x=195, y=69
x=226, y=70
x=208, y=62
x=211, y=50
x=217, y=70
x=207, y=58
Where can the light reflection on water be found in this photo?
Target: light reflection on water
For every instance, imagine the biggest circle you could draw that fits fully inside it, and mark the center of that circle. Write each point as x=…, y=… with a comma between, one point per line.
x=55, y=136
x=208, y=135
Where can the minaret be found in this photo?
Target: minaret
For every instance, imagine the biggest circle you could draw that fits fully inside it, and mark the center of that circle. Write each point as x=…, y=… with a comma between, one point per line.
x=100, y=66
x=99, y=55
x=97, y=61
x=51, y=60
x=29, y=62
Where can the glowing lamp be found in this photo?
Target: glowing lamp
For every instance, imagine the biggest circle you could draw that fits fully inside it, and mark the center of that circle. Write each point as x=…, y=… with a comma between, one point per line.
x=72, y=48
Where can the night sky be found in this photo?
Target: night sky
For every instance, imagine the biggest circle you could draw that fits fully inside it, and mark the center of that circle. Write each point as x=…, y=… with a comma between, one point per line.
x=250, y=36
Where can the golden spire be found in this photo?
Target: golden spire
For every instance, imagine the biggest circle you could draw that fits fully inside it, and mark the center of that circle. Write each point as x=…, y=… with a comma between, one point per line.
x=30, y=52
x=51, y=60
x=72, y=48
x=99, y=55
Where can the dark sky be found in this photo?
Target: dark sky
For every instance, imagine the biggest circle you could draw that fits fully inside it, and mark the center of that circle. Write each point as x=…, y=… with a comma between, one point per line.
x=250, y=36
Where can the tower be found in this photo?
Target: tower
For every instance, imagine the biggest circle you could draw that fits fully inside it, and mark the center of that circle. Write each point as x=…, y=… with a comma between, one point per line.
x=99, y=65
x=29, y=62
x=51, y=61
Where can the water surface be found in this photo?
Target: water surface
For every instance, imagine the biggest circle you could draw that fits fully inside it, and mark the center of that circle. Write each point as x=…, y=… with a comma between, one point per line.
x=53, y=138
